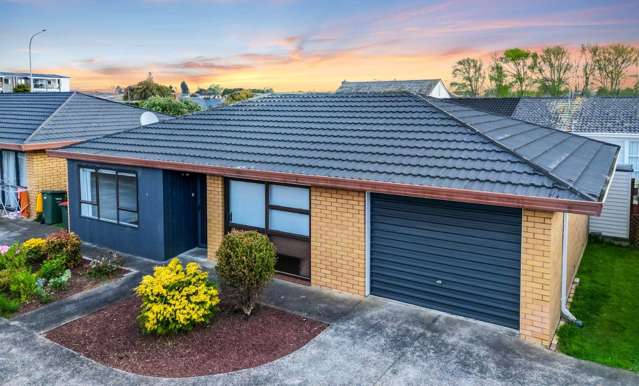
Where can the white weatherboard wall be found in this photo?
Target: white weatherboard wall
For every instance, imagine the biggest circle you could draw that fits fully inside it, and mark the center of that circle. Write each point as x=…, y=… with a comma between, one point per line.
x=615, y=217
x=439, y=91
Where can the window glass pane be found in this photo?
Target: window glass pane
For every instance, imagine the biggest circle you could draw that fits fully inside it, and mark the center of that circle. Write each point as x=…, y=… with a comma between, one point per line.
x=633, y=150
x=127, y=191
x=289, y=222
x=128, y=218
x=87, y=185
x=9, y=167
x=247, y=203
x=106, y=192
x=22, y=169
x=289, y=196
x=89, y=210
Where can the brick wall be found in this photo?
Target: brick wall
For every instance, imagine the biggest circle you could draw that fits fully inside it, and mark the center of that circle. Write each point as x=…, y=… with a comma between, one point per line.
x=577, y=241
x=540, y=275
x=44, y=173
x=215, y=214
x=338, y=252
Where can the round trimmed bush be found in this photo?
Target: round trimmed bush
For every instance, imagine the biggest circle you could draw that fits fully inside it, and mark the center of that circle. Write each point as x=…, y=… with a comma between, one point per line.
x=245, y=265
x=175, y=299
x=67, y=244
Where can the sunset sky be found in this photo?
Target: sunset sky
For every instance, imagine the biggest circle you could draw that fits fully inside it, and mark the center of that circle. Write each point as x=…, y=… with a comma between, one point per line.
x=289, y=45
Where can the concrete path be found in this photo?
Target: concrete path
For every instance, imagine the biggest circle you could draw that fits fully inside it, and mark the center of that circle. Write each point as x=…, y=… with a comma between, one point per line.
x=369, y=342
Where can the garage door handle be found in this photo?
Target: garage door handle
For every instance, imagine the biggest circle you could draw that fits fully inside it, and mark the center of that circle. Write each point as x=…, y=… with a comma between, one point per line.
x=439, y=282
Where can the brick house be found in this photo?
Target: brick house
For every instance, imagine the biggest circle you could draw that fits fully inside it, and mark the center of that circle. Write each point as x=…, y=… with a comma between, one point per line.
x=387, y=194
x=31, y=123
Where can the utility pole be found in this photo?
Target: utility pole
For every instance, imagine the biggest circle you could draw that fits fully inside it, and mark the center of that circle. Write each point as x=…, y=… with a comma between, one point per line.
x=30, y=69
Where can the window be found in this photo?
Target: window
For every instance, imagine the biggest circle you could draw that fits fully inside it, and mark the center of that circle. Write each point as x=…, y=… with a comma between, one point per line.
x=13, y=174
x=109, y=195
x=287, y=209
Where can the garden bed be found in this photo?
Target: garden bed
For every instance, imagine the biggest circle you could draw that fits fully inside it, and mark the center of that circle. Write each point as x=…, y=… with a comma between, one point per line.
x=80, y=281
x=231, y=342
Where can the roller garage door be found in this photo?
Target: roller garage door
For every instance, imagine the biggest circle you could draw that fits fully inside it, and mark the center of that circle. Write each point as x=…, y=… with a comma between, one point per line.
x=455, y=257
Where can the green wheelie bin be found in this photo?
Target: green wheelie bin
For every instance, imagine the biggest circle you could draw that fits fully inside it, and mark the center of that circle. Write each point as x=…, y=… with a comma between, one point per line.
x=50, y=205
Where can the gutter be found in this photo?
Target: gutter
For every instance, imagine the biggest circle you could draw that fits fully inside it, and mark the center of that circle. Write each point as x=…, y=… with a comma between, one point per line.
x=565, y=312
x=37, y=145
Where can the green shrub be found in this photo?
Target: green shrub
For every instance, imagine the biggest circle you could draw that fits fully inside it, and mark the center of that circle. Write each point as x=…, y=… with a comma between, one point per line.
x=13, y=259
x=67, y=244
x=41, y=292
x=5, y=278
x=8, y=306
x=22, y=87
x=61, y=282
x=176, y=299
x=22, y=285
x=245, y=264
x=53, y=268
x=105, y=266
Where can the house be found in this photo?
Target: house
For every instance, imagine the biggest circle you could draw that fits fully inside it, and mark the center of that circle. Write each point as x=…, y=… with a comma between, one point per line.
x=427, y=87
x=41, y=82
x=205, y=102
x=30, y=123
x=386, y=194
x=611, y=119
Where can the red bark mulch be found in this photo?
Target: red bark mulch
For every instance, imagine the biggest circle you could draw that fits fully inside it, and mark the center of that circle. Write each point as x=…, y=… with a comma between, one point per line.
x=231, y=342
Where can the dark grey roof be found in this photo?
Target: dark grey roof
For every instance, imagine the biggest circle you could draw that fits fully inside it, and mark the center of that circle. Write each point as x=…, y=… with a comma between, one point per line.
x=27, y=118
x=582, y=163
x=388, y=137
x=422, y=86
x=503, y=106
x=579, y=114
x=26, y=74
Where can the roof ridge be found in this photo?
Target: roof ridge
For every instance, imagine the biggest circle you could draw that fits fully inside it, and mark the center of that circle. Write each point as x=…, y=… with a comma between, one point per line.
x=119, y=103
x=532, y=164
x=73, y=93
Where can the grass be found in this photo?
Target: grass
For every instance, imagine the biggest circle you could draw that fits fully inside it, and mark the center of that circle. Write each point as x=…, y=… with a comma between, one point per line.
x=607, y=301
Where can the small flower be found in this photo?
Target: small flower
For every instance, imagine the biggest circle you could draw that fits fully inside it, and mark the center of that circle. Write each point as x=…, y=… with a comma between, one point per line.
x=3, y=249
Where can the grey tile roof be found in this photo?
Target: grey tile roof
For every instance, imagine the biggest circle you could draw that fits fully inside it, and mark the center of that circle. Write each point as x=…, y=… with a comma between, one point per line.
x=579, y=114
x=503, y=106
x=582, y=163
x=388, y=137
x=27, y=118
x=422, y=86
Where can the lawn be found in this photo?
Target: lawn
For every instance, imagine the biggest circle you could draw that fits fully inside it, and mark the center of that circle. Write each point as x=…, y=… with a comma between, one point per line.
x=607, y=301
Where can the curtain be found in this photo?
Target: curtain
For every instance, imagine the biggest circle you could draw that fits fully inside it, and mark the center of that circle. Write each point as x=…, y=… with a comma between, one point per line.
x=9, y=178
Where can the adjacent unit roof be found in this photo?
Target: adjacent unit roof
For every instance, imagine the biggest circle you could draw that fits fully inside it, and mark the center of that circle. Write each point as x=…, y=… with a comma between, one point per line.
x=37, y=118
x=370, y=139
x=422, y=86
x=579, y=114
x=26, y=74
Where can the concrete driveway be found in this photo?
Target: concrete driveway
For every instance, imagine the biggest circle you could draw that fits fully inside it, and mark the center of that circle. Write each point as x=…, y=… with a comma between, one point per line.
x=369, y=341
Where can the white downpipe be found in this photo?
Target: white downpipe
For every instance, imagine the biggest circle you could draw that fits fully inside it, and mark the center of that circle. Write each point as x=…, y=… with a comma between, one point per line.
x=565, y=312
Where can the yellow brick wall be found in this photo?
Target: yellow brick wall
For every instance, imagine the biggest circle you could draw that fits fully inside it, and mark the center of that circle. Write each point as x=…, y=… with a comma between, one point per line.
x=540, y=275
x=44, y=173
x=215, y=214
x=577, y=241
x=338, y=237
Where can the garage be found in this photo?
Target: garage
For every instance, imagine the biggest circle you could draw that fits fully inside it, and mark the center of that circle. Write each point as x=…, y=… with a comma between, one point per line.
x=459, y=258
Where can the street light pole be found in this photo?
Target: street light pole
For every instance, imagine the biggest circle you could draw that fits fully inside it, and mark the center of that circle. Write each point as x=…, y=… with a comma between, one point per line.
x=30, y=70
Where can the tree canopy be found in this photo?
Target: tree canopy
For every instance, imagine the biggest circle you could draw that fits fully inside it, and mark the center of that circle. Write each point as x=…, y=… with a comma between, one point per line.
x=170, y=106
x=469, y=77
x=145, y=89
x=184, y=88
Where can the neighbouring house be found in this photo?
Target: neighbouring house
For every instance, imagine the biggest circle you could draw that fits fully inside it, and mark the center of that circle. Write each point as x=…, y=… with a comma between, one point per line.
x=41, y=82
x=427, y=87
x=205, y=102
x=610, y=119
x=30, y=123
x=387, y=194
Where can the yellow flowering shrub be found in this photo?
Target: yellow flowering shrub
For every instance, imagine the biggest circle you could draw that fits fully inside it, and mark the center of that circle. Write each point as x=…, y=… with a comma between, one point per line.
x=175, y=299
x=35, y=248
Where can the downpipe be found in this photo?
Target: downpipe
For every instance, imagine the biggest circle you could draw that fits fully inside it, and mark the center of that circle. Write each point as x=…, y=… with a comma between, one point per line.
x=565, y=312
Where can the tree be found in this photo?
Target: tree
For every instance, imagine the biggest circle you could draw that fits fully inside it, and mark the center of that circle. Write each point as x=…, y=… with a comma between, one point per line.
x=170, y=106
x=22, y=87
x=470, y=77
x=214, y=90
x=588, y=53
x=184, y=88
x=499, y=86
x=146, y=89
x=552, y=68
x=238, y=96
x=611, y=65
x=519, y=65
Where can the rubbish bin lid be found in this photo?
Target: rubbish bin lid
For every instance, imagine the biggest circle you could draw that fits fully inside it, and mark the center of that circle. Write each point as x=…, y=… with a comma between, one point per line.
x=54, y=192
x=63, y=203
